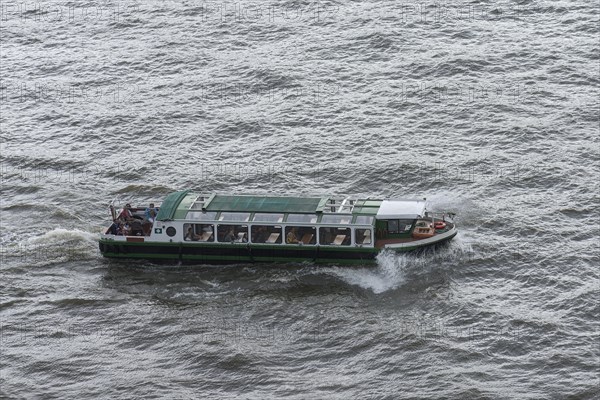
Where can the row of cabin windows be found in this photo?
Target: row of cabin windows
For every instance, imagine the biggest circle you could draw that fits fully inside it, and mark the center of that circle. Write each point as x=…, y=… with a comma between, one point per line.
x=277, y=218
x=274, y=234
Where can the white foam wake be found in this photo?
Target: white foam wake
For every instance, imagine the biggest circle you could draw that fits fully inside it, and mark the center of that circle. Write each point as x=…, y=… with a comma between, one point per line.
x=389, y=274
x=394, y=269
x=61, y=235
x=55, y=246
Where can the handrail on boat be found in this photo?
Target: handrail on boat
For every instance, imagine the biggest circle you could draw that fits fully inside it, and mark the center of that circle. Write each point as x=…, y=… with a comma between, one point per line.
x=440, y=214
x=113, y=209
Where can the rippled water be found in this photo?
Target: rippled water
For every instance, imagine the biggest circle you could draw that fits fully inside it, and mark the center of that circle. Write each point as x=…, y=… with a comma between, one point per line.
x=487, y=109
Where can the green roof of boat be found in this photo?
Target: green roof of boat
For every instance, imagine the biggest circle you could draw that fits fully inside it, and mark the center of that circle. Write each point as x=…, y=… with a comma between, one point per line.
x=264, y=204
x=170, y=204
x=176, y=205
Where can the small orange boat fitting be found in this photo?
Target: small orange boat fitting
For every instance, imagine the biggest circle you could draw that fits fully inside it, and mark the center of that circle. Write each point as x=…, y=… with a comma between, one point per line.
x=439, y=225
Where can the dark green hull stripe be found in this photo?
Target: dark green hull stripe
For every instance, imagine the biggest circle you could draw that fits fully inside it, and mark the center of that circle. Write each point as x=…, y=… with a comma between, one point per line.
x=243, y=253
x=344, y=249
x=174, y=257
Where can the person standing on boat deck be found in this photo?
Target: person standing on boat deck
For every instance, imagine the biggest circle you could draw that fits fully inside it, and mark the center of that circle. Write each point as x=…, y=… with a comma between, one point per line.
x=126, y=213
x=136, y=227
x=151, y=213
x=291, y=236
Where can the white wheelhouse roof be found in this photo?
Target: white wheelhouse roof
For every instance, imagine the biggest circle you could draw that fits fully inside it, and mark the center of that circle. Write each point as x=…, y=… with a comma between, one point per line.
x=401, y=209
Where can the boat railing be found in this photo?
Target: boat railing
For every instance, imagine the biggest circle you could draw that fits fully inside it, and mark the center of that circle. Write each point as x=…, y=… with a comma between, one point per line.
x=342, y=205
x=116, y=205
x=443, y=215
x=202, y=200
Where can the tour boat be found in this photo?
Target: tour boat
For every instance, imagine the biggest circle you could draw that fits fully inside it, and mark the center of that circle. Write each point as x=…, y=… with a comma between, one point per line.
x=196, y=228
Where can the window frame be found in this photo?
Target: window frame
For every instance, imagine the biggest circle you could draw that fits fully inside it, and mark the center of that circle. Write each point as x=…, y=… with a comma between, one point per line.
x=275, y=227
x=236, y=232
x=195, y=232
x=356, y=234
x=303, y=231
x=349, y=233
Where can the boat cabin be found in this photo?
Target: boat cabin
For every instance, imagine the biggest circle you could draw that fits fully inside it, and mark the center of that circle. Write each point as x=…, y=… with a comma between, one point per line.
x=264, y=220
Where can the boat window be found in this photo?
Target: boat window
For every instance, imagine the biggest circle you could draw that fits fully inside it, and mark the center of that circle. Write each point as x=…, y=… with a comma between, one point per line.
x=404, y=225
x=392, y=226
x=336, y=219
x=266, y=234
x=202, y=216
x=334, y=236
x=306, y=218
x=198, y=233
x=364, y=220
x=399, y=226
x=234, y=216
x=232, y=233
x=262, y=217
x=362, y=236
x=300, y=235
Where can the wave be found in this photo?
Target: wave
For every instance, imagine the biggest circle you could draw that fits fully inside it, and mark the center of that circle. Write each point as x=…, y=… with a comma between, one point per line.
x=395, y=270
x=389, y=274
x=56, y=246
x=60, y=235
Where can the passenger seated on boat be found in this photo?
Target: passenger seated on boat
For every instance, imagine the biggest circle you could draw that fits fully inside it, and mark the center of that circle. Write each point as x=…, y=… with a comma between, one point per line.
x=207, y=233
x=136, y=228
x=230, y=236
x=114, y=228
x=126, y=213
x=121, y=227
x=291, y=237
x=125, y=228
x=150, y=213
x=190, y=235
x=206, y=236
x=261, y=235
x=147, y=228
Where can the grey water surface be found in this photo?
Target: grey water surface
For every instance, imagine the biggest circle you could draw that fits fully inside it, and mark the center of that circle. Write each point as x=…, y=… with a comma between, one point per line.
x=488, y=109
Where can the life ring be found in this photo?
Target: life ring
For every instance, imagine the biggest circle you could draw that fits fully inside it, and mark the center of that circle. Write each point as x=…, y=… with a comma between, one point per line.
x=440, y=225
